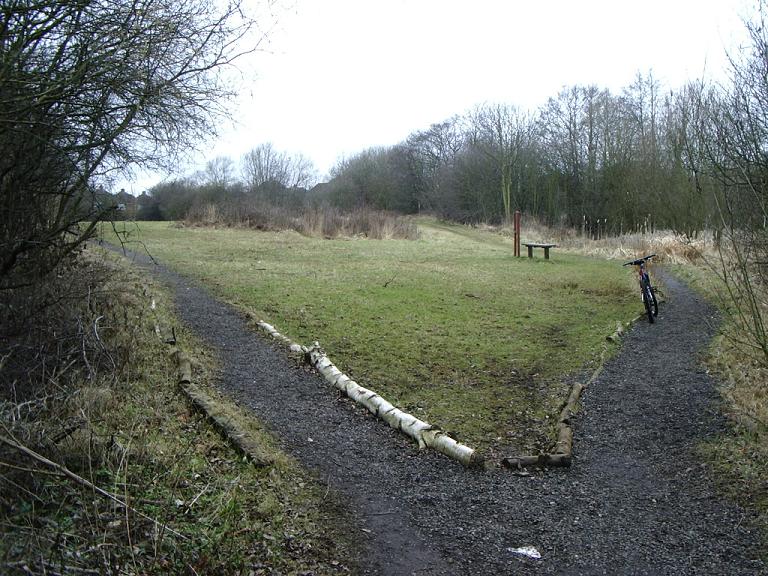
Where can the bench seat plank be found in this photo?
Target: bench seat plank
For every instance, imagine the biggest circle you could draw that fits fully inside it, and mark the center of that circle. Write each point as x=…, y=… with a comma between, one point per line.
x=532, y=245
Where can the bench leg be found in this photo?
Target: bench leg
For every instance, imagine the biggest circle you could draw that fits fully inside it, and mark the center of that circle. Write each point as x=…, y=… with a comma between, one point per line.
x=530, y=251
x=546, y=252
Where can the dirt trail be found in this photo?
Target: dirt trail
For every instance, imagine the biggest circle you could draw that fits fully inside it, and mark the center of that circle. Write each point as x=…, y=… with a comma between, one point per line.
x=636, y=500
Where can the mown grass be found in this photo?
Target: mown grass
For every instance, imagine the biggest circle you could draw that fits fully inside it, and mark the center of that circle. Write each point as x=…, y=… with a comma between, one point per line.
x=195, y=505
x=451, y=327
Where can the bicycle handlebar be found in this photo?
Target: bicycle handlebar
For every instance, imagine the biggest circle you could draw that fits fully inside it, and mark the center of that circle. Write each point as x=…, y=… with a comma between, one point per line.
x=639, y=261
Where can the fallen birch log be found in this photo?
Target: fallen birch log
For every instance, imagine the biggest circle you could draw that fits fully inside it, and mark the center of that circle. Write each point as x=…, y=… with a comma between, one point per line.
x=564, y=439
x=422, y=432
x=569, y=409
x=269, y=329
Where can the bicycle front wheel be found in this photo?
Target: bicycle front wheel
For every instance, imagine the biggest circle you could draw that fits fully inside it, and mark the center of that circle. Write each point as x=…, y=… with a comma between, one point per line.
x=649, y=300
x=654, y=301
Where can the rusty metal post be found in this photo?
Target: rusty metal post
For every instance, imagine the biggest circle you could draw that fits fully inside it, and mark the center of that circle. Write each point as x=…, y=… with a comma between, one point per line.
x=517, y=233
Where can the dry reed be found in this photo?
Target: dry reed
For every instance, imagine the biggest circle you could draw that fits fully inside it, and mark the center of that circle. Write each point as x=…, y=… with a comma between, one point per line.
x=322, y=222
x=667, y=245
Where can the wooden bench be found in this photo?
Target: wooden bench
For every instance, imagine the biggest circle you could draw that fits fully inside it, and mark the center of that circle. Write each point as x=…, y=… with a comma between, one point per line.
x=533, y=245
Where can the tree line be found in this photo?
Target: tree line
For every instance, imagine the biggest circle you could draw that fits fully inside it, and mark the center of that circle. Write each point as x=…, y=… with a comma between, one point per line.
x=265, y=176
x=588, y=159
x=606, y=163
x=648, y=157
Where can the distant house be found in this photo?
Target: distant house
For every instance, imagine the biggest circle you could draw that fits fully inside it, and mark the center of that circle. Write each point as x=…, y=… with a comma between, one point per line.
x=143, y=200
x=126, y=204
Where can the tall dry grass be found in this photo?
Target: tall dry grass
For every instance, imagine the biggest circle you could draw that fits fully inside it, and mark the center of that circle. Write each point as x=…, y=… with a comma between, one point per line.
x=667, y=245
x=61, y=376
x=320, y=222
x=740, y=456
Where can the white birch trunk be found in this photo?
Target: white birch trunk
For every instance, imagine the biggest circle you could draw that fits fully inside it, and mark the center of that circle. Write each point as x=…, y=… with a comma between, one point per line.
x=269, y=329
x=422, y=432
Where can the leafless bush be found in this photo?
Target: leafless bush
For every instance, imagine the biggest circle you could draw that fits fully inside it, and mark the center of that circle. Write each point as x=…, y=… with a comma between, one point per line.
x=91, y=88
x=323, y=222
x=64, y=363
x=332, y=223
x=734, y=133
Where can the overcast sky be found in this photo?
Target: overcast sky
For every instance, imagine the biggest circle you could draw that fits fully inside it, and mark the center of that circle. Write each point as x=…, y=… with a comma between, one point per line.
x=337, y=76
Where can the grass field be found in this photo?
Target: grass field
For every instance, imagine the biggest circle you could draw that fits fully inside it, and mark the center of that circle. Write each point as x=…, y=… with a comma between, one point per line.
x=450, y=327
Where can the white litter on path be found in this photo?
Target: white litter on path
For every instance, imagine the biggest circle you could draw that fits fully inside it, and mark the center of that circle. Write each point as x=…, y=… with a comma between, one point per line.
x=529, y=551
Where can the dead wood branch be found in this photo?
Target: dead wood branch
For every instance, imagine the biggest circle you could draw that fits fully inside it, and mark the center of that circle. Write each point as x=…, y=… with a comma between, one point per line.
x=83, y=482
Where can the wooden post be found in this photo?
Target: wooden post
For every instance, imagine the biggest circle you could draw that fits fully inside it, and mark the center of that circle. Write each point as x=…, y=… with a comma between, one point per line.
x=517, y=233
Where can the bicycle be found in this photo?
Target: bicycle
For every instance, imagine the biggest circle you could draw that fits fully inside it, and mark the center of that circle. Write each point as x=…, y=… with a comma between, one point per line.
x=647, y=291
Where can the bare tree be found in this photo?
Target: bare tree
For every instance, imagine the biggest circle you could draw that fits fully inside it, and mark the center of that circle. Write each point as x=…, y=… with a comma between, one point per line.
x=503, y=132
x=561, y=126
x=302, y=171
x=220, y=172
x=735, y=139
x=91, y=88
x=264, y=164
x=435, y=151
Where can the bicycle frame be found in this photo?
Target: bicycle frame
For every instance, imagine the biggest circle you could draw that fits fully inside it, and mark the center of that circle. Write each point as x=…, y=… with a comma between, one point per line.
x=642, y=273
x=646, y=289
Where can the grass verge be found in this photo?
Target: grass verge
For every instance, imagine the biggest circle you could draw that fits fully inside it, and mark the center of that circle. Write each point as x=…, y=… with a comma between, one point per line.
x=180, y=499
x=450, y=327
x=740, y=455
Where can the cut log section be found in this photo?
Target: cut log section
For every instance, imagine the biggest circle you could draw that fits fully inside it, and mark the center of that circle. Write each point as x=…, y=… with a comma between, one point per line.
x=618, y=333
x=228, y=424
x=184, y=365
x=564, y=439
x=541, y=460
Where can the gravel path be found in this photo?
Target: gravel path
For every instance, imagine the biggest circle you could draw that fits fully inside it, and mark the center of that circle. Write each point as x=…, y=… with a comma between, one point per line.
x=636, y=500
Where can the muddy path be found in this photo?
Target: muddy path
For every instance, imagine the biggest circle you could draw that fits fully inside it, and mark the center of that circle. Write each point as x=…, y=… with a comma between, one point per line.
x=636, y=500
